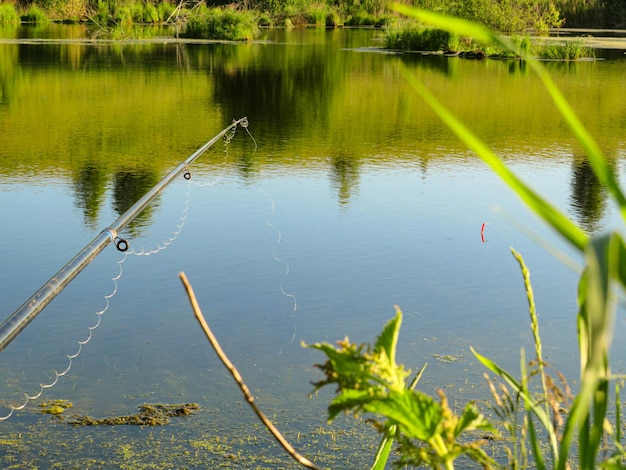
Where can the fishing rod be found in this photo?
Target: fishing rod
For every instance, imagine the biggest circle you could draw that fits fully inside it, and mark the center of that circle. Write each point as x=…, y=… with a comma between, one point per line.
x=14, y=325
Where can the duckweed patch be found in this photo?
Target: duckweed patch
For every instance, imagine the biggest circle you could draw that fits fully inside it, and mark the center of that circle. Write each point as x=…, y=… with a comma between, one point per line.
x=55, y=407
x=447, y=358
x=191, y=444
x=148, y=415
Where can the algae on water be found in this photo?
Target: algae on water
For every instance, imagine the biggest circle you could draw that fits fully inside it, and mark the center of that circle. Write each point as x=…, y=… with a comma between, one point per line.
x=55, y=407
x=148, y=415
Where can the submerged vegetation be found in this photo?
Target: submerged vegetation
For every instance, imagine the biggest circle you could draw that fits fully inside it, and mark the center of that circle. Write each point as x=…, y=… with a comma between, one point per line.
x=55, y=407
x=148, y=415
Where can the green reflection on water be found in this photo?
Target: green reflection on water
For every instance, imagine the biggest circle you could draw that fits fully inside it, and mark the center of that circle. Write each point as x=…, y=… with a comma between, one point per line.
x=313, y=99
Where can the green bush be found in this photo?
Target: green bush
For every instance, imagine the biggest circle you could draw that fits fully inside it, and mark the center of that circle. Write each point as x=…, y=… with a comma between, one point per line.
x=103, y=14
x=165, y=10
x=8, y=14
x=111, y=13
x=136, y=12
x=319, y=14
x=123, y=16
x=35, y=15
x=151, y=14
x=567, y=50
x=362, y=18
x=413, y=37
x=511, y=16
x=222, y=24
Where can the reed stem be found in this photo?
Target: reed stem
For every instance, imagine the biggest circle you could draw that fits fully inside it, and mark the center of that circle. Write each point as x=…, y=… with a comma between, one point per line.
x=235, y=373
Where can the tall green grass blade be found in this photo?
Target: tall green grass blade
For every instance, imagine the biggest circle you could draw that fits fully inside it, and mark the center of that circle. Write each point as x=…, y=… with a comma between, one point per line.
x=534, y=442
x=534, y=326
x=540, y=206
x=603, y=259
x=600, y=406
x=384, y=449
x=618, y=414
x=517, y=387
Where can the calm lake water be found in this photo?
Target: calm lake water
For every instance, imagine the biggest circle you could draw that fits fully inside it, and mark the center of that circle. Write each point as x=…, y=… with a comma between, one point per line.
x=347, y=197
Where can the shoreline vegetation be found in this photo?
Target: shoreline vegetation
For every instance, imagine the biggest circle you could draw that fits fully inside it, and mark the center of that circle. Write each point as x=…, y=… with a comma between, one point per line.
x=193, y=19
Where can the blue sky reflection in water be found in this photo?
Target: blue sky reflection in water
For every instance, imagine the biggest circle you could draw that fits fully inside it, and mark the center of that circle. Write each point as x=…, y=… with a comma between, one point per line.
x=346, y=217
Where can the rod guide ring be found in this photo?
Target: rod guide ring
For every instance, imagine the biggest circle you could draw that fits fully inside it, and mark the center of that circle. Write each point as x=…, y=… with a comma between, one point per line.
x=121, y=244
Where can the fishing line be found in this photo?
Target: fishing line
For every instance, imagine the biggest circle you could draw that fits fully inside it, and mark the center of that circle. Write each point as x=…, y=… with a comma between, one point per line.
x=179, y=227
x=243, y=122
x=70, y=357
x=287, y=269
x=227, y=139
x=221, y=174
x=123, y=246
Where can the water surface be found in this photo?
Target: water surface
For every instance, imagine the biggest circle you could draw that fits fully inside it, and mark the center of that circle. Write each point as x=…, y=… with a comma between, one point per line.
x=348, y=197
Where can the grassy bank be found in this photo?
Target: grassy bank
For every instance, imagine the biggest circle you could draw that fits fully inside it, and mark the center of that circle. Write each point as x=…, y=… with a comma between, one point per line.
x=505, y=16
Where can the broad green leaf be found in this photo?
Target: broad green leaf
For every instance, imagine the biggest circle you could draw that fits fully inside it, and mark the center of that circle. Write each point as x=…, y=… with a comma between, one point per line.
x=350, y=400
x=388, y=338
x=417, y=415
x=344, y=362
x=600, y=406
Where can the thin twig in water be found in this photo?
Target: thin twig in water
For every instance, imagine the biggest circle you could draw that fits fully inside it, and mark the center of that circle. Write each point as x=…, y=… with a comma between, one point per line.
x=235, y=373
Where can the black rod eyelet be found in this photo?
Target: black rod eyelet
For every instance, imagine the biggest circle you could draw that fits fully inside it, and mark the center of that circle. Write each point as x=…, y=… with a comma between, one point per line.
x=121, y=244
